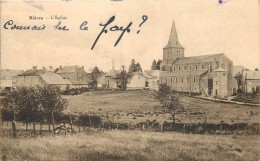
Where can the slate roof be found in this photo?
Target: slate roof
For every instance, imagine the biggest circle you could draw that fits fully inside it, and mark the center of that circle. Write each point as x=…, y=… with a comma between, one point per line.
x=52, y=78
x=9, y=73
x=32, y=72
x=220, y=70
x=197, y=59
x=184, y=73
x=237, y=69
x=68, y=69
x=112, y=73
x=253, y=75
x=173, y=40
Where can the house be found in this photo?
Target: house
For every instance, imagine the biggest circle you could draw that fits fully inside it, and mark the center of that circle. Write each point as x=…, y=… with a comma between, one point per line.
x=237, y=75
x=153, y=84
x=250, y=81
x=8, y=78
x=42, y=77
x=76, y=75
x=111, y=79
x=209, y=75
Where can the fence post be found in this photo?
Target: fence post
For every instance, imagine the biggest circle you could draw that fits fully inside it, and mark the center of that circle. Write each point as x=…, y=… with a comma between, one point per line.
x=237, y=123
x=162, y=128
x=41, y=129
x=34, y=131
x=14, y=128
x=70, y=124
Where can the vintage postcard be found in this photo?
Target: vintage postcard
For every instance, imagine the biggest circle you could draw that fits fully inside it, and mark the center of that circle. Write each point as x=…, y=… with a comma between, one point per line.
x=130, y=80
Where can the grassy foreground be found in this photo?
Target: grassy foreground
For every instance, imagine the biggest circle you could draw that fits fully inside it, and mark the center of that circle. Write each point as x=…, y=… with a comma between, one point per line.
x=132, y=146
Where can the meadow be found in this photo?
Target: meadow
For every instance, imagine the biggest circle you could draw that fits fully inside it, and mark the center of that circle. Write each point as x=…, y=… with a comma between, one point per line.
x=133, y=146
x=139, y=106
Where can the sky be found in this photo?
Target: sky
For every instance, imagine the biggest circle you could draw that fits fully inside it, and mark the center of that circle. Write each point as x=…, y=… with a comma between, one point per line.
x=204, y=27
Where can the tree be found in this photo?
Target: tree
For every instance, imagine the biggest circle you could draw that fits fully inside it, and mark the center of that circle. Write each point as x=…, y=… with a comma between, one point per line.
x=132, y=66
x=158, y=64
x=94, y=75
x=169, y=100
x=123, y=77
x=153, y=67
x=25, y=101
x=238, y=77
x=138, y=68
x=51, y=101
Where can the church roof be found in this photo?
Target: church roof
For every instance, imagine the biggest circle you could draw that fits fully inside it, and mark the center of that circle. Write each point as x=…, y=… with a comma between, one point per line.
x=197, y=59
x=184, y=73
x=173, y=40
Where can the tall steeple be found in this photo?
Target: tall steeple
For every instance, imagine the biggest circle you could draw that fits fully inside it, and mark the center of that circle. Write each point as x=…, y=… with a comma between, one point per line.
x=172, y=51
x=173, y=40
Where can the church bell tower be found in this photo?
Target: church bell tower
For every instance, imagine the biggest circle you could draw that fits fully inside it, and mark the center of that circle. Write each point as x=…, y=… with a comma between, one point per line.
x=172, y=51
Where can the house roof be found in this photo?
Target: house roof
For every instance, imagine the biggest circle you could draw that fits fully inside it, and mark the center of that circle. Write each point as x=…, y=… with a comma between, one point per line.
x=32, y=72
x=9, y=73
x=184, y=73
x=251, y=75
x=112, y=73
x=237, y=69
x=54, y=79
x=68, y=69
x=220, y=70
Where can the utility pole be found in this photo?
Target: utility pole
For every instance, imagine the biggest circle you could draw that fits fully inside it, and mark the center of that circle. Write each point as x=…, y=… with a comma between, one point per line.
x=190, y=82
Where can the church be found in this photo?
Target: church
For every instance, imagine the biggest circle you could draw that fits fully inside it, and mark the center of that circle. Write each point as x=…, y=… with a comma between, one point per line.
x=209, y=75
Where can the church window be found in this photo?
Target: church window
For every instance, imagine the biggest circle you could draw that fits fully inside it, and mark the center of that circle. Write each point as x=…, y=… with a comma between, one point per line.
x=171, y=80
x=166, y=80
x=216, y=82
x=181, y=80
x=185, y=67
x=173, y=68
x=176, y=80
x=194, y=79
x=196, y=67
x=210, y=69
x=188, y=80
x=223, y=66
x=202, y=66
x=216, y=65
x=179, y=67
x=224, y=74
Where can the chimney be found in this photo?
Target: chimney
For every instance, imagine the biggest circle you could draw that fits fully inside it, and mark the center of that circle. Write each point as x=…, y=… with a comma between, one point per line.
x=60, y=67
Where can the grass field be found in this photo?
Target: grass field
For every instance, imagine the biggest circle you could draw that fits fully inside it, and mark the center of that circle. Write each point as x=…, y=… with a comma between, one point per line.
x=137, y=106
x=133, y=146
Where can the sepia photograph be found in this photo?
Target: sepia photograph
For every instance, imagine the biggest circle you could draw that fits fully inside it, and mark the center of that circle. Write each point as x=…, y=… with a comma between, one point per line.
x=129, y=80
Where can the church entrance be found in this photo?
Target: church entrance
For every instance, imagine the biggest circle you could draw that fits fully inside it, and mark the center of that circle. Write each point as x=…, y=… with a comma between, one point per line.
x=210, y=86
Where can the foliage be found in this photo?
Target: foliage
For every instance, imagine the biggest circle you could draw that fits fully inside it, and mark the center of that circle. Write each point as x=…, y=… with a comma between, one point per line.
x=158, y=64
x=169, y=100
x=123, y=77
x=94, y=76
x=134, y=67
x=51, y=101
x=238, y=77
x=153, y=67
x=26, y=102
x=34, y=103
